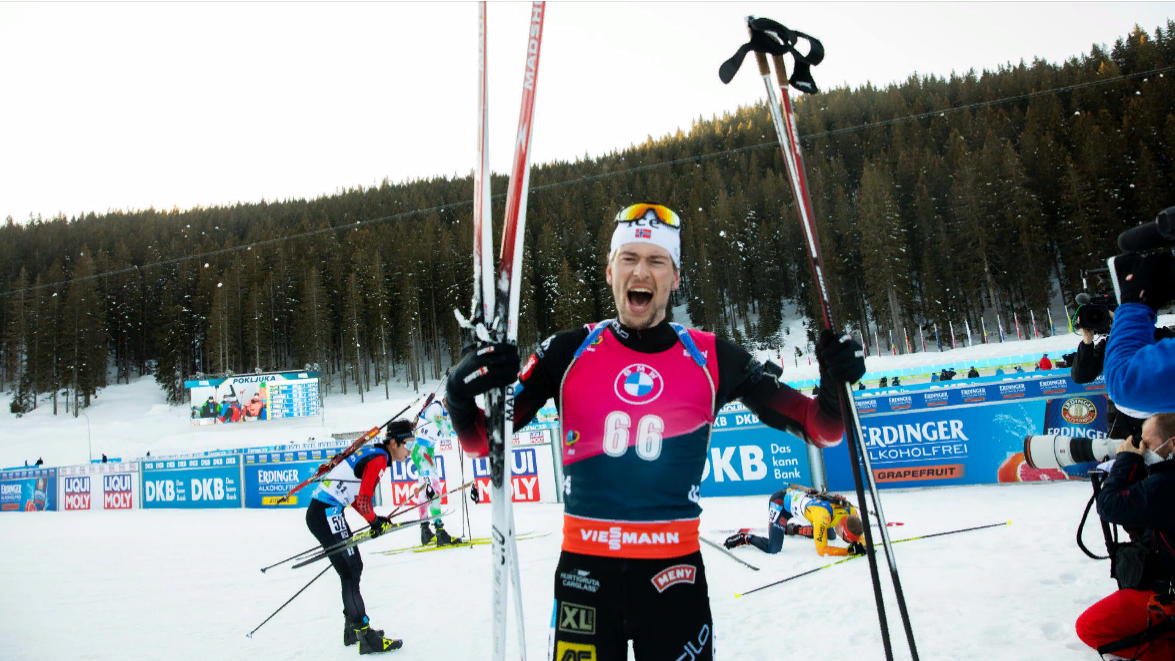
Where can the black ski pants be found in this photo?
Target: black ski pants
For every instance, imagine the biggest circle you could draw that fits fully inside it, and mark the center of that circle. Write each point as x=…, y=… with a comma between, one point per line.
x=661, y=605
x=329, y=527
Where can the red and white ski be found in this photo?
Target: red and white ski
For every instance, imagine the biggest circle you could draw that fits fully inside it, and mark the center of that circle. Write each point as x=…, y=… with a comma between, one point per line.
x=494, y=315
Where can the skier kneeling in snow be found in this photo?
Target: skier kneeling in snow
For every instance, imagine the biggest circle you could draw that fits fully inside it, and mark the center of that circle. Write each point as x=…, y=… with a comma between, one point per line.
x=352, y=483
x=824, y=514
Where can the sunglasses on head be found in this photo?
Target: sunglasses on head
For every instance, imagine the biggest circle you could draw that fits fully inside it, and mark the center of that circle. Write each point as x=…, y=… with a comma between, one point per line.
x=649, y=213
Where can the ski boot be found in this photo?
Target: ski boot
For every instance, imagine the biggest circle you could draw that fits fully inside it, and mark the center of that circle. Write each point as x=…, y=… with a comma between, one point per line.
x=349, y=627
x=372, y=641
x=737, y=539
x=425, y=533
x=797, y=529
x=443, y=538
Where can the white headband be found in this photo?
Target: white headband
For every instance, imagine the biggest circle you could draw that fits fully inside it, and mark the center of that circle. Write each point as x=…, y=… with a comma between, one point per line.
x=655, y=233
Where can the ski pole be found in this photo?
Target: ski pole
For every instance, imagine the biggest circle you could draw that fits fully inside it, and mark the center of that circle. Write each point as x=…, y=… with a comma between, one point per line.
x=854, y=557
x=727, y=552
x=395, y=513
x=769, y=37
x=279, y=608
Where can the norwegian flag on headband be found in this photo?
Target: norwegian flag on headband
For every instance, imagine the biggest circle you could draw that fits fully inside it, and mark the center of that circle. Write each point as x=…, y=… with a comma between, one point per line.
x=644, y=233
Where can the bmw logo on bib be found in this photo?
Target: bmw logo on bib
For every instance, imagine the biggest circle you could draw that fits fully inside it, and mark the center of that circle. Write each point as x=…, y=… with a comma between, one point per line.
x=639, y=384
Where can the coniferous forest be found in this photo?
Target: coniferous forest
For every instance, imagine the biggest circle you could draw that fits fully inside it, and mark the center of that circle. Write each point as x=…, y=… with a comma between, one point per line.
x=937, y=200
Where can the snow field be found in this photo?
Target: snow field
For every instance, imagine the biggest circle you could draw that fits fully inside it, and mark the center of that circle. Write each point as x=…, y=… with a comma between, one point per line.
x=153, y=584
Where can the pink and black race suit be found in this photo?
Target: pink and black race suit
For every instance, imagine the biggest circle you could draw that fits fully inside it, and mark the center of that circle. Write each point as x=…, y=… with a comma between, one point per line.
x=636, y=409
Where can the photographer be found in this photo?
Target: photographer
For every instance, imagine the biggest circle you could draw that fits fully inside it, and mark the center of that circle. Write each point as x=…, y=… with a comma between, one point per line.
x=1136, y=622
x=1140, y=372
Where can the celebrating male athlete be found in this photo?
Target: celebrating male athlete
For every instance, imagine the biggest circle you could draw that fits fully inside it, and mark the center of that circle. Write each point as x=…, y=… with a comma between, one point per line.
x=637, y=397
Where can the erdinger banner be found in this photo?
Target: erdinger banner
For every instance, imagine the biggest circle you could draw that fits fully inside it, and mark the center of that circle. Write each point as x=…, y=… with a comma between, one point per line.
x=91, y=487
x=976, y=438
x=28, y=490
x=268, y=476
x=214, y=482
x=989, y=390
x=746, y=457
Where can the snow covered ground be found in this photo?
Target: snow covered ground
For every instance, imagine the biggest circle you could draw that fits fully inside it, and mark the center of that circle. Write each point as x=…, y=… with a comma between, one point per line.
x=153, y=584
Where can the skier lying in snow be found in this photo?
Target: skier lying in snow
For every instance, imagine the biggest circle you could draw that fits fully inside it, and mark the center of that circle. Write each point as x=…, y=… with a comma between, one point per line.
x=352, y=483
x=823, y=515
x=637, y=398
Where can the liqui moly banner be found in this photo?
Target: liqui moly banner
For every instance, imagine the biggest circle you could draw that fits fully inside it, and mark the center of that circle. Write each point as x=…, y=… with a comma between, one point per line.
x=92, y=487
x=532, y=478
x=404, y=478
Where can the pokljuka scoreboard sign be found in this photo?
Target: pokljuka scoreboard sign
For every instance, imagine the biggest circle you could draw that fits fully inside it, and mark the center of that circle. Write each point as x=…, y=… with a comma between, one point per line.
x=254, y=397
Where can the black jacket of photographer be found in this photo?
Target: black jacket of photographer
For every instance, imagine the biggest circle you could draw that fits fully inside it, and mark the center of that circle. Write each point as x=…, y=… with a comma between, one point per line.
x=1088, y=363
x=1135, y=495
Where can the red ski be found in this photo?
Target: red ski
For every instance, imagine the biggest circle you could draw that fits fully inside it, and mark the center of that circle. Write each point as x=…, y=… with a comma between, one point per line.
x=349, y=450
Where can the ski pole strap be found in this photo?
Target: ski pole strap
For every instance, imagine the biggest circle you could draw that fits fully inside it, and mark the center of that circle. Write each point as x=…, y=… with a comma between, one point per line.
x=773, y=38
x=690, y=345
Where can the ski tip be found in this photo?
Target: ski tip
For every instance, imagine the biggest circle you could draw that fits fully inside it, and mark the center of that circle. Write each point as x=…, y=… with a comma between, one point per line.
x=249, y=636
x=1009, y=523
x=737, y=595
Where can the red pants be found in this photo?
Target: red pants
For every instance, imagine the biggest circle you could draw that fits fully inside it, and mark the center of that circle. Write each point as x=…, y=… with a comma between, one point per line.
x=1121, y=614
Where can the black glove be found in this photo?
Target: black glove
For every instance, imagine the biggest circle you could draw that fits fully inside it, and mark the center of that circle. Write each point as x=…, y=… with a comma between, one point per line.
x=482, y=370
x=377, y=526
x=856, y=548
x=475, y=495
x=428, y=492
x=841, y=359
x=1145, y=279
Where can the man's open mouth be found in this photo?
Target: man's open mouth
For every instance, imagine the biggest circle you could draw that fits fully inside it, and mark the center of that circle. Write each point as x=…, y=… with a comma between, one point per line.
x=639, y=297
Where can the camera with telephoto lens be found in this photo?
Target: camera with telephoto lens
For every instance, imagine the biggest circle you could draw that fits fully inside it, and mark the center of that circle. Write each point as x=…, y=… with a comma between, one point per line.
x=1057, y=451
x=1093, y=311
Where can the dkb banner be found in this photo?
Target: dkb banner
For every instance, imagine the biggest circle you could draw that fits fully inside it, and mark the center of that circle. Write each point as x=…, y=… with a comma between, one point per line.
x=192, y=483
x=271, y=475
x=747, y=457
x=961, y=442
x=28, y=490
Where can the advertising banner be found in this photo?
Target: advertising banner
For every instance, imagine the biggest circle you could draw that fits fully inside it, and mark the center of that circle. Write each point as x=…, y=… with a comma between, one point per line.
x=524, y=476
x=975, y=437
x=28, y=490
x=747, y=457
x=213, y=482
x=270, y=475
x=109, y=486
x=403, y=477
x=253, y=398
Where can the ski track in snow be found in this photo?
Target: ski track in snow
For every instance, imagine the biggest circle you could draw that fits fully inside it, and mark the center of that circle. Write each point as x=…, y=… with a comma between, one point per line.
x=185, y=584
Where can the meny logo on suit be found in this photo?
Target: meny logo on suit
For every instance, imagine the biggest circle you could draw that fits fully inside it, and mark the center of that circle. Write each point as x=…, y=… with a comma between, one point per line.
x=404, y=478
x=77, y=493
x=116, y=492
x=524, y=476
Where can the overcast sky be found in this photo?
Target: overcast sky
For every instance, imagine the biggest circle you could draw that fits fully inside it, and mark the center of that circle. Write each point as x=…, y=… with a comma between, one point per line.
x=131, y=105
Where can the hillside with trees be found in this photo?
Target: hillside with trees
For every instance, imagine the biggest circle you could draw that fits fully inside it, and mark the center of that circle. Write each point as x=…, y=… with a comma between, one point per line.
x=937, y=199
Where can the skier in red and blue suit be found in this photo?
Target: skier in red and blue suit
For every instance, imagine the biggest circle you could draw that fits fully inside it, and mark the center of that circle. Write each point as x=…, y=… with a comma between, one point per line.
x=637, y=397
